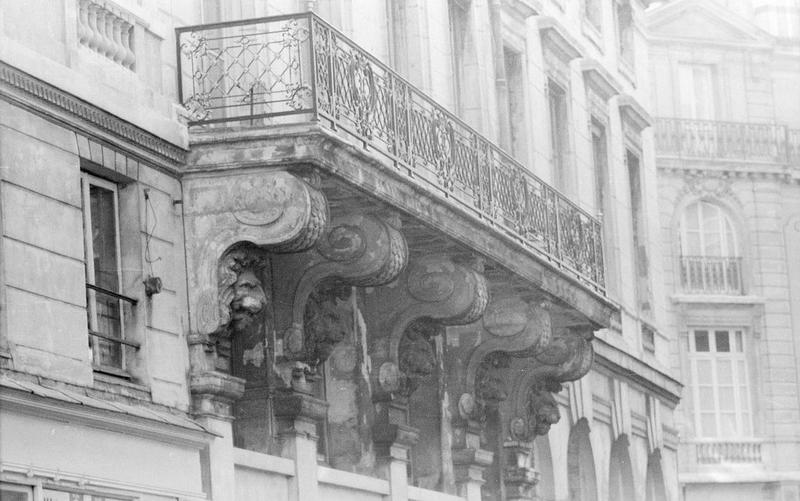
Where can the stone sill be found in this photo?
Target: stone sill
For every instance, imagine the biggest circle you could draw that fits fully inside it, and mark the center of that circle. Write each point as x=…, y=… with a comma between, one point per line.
x=736, y=474
x=716, y=299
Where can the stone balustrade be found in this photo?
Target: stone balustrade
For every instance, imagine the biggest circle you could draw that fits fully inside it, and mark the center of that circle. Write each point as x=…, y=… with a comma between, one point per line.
x=728, y=451
x=107, y=30
x=714, y=139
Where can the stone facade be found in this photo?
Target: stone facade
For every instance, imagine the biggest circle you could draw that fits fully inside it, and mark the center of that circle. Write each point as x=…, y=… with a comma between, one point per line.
x=736, y=152
x=329, y=278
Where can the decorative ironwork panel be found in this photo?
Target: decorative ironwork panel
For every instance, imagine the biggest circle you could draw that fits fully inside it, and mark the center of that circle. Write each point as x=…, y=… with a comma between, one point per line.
x=261, y=69
x=245, y=71
x=711, y=275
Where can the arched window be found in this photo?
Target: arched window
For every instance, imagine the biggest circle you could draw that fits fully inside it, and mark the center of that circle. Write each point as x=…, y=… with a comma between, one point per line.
x=654, y=483
x=580, y=464
x=710, y=257
x=620, y=472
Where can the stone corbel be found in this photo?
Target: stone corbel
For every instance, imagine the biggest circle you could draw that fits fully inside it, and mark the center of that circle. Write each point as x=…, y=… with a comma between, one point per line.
x=357, y=250
x=531, y=406
x=434, y=292
x=232, y=221
x=512, y=329
x=531, y=409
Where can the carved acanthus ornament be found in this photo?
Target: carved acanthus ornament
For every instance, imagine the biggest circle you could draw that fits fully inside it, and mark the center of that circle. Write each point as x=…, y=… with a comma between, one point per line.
x=357, y=250
x=434, y=292
x=233, y=224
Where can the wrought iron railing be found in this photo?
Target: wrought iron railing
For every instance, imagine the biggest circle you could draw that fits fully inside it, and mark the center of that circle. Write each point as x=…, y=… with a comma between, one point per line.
x=107, y=311
x=758, y=142
x=728, y=451
x=711, y=275
x=296, y=68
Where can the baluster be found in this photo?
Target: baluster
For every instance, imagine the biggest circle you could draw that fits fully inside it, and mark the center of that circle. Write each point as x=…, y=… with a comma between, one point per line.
x=126, y=34
x=94, y=38
x=102, y=40
x=84, y=32
x=119, y=52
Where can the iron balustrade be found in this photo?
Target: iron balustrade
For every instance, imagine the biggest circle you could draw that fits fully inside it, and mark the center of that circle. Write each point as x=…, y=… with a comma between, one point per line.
x=757, y=142
x=107, y=310
x=728, y=451
x=297, y=68
x=711, y=275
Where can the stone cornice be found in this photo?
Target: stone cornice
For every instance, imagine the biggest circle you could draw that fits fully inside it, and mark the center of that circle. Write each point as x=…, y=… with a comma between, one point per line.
x=599, y=79
x=29, y=92
x=633, y=112
x=558, y=39
x=704, y=167
x=106, y=419
x=640, y=373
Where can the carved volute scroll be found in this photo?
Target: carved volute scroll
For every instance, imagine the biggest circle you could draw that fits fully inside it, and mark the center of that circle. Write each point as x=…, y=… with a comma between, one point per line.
x=274, y=210
x=512, y=328
x=567, y=357
x=357, y=250
x=232, y=222
x=433, y=292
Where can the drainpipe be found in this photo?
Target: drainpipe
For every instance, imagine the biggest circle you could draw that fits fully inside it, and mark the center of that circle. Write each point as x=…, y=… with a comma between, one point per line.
x=500, y=83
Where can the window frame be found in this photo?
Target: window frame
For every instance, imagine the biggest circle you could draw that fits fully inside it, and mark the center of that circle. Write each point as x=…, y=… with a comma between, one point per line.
x=558, y=120
x=92, y=289
x=743, y=408
x=724, y=222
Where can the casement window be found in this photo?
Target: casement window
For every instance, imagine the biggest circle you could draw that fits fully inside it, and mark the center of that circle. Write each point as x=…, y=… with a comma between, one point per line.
x=559, y=132
x=719, y=383
x=624, y=18
x=710, y=260
x=697, y=96
x=15, y=492
x=513, y=63
x=599, y=161
x=593, y=13
x=106, y=306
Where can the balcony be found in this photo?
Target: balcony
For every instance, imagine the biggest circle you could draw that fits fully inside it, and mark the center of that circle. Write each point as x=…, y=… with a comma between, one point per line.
x=741, y=141
x=711, y=275
x=297, y=69
x=741, y=451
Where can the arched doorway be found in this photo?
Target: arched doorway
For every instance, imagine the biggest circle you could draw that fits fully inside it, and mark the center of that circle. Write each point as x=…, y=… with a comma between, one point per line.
x=620, y=472
x=581, y=475
x=654, y=483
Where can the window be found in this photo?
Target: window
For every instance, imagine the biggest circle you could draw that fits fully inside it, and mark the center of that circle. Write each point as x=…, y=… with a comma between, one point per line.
x=106, y=307
x=637, y=214
x=624, y=18
x=593, y=12
x=696, y=91
x=515, y=104
x=559, y=139
x=719, y=383
x=458, y=13
x=599, y=159
x=15, y=492
x=710, y=261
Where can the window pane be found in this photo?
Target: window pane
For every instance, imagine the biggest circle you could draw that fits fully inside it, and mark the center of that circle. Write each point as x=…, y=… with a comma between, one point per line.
x=726, y=399
x=722, y=340
x=739, y=341
x=708, y=424
x=704, y=372
x=104, y=238
x=706, y=394
x=701, y=341
x=728, y=423
x=744, y=399
x=724, y=372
